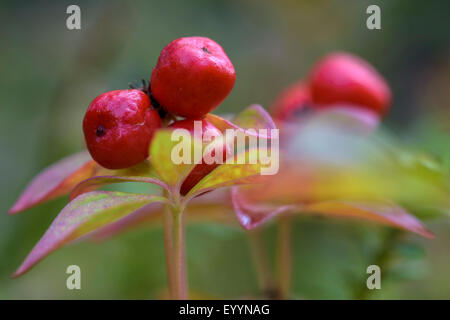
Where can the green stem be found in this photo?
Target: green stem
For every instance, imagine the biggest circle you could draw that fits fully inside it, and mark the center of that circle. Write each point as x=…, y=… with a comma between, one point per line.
x=263, y=269
x=179, y=259
x=175, y=249
x=168, y=247
x=284, y=257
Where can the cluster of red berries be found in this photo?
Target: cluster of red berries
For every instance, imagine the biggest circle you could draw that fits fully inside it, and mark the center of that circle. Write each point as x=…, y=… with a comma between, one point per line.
x=192, y=77
x=337, y=79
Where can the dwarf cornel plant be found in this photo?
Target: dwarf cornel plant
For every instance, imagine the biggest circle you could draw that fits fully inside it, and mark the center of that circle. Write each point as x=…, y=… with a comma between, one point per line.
x=90, y=210
x=326, y=167
x=298, y=188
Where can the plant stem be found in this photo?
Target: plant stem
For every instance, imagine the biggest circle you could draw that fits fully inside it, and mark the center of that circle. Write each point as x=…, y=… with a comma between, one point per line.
x=175, y=249
x=179, y=259
x=284, y=257
x=168, y=247
x=263, y=269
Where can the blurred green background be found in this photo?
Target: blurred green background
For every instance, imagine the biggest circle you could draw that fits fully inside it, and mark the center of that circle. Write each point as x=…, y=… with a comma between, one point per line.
x=49, y=75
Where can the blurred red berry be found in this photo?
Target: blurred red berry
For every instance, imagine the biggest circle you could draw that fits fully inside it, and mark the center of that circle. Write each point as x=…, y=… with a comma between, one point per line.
x=202, y=169
x=342, y=78
x=118, y=127
x=292, y=101
x=192, y=77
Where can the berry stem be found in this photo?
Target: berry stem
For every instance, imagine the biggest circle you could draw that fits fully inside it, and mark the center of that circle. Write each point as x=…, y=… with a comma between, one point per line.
x=284, y=256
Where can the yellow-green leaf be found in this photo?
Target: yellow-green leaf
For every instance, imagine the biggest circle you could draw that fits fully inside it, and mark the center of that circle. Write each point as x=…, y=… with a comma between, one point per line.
x=173, y=156
x=142, y=172
x=242, y=170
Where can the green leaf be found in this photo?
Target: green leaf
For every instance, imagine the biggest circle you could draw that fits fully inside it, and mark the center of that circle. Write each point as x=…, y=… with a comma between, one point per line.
x=56, y=180
x=162, y=152
x=247, y=124
x=411, y=250
x=142, y=172
x=99, y=181
x=229, y=174
x=83, y=215
x=142, y=169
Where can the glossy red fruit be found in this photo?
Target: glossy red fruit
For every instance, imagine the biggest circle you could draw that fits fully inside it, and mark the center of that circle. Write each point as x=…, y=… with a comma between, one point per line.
x=202, y=169
x=192, y=77
x=118, y=127
x=342, y=78
x=293, y=101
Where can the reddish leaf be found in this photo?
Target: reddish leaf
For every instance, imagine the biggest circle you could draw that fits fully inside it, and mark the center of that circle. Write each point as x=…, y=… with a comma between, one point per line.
x=254, y=117
x=212, y=207
x=56, y=180
x=251, y=215
x=83, y=215
x=387, y=214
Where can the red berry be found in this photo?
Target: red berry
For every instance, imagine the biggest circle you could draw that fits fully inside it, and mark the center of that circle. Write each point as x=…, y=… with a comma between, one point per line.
x=202, y=169
x=342, y=78
x=292, y=101
x=118, y=127
x=192, y=77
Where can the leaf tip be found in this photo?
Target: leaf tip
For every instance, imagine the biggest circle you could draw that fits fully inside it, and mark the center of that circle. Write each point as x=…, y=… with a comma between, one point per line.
x=16, y=208
x=247, y=226
x=14, y=275
x=20, y=271
x=29, y=262
x=427, y=233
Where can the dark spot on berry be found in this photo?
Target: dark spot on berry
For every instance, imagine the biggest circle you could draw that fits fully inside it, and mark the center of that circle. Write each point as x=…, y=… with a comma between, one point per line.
x=206, y=50
x=100, y=132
